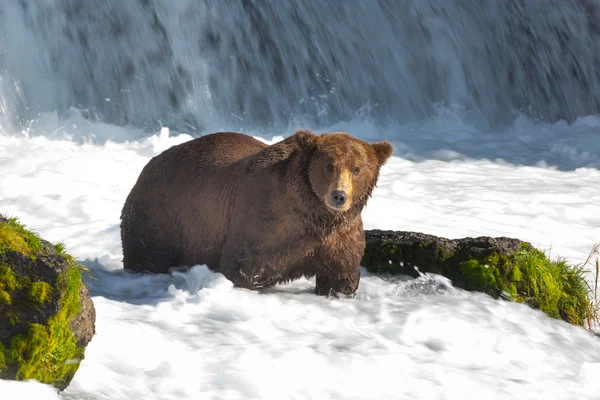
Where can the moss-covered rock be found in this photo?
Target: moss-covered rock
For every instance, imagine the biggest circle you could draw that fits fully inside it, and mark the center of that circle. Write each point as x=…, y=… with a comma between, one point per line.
x=501, y=267
x=46, y=315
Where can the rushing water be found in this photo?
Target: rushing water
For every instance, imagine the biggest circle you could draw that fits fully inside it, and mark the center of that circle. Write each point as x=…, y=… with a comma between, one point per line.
x=196, y=65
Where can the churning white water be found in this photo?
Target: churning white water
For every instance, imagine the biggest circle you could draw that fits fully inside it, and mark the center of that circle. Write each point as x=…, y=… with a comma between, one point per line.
x=493, y=108
x=192, y=335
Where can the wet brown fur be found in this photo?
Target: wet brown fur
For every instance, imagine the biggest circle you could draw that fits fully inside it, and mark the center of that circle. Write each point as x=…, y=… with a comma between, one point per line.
x=253, y=212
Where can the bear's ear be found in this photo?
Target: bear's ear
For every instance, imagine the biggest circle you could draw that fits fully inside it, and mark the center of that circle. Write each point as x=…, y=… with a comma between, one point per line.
x=304, y=138
x=383, y=150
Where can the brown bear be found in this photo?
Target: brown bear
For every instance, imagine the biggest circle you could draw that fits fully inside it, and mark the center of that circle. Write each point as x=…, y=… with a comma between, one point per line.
x=258, y=214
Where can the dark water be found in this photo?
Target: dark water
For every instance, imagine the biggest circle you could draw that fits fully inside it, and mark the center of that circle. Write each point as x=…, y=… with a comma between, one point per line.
x=194, y=65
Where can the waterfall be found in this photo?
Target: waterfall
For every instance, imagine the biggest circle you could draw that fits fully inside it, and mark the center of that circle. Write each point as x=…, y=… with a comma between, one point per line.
x=195, y=64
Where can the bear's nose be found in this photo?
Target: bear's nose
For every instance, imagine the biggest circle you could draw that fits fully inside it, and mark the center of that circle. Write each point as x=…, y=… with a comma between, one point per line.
x=338, y=197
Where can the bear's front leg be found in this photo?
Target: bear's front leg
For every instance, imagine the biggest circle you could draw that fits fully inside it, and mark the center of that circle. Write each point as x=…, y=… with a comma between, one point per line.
x=339, y=273
x=339, y=269
x=330, y=284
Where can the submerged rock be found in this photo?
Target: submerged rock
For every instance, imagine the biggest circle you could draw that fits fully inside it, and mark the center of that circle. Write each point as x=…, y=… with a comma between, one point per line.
x=502, y=267
x=46, y=315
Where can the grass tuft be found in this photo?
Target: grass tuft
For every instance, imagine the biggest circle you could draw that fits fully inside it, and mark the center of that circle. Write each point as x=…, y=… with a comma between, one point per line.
x=61, y=248
x=14, y=237
x=593, y=259
x=553, y=286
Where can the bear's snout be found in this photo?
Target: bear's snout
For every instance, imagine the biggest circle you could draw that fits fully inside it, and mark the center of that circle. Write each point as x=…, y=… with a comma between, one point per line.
x=339, y=198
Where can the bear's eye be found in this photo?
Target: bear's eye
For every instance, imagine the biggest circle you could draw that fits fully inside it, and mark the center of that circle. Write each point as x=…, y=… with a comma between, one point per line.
x=330, y=167
x=356, y=171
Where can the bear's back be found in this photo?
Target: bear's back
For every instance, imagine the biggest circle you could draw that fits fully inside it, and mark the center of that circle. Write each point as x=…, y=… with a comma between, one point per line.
x=214, y=150
x=183, y=198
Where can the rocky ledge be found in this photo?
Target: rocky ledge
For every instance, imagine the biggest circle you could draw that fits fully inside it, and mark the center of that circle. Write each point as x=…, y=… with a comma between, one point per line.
x=46, y=315
x=502, y=267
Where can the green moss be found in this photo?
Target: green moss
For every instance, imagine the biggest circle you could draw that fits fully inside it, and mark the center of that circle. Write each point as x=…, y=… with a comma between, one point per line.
x=390, y=248
x=9, y=240
x=39, y=292
x=13, y=318
x=8, y=283
x=478, y=276
x=515, y=274
x=2, y=357
x=5, y=297
x=445, y=253
x=14, y=237
x=8, y=279
x=50, y=353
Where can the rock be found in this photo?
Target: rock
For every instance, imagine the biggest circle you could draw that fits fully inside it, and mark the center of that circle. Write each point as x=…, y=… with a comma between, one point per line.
x=46, y=315
x=502, y=267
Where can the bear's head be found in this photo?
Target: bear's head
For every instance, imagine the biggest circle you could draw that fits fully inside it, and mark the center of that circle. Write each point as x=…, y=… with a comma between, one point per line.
x=342, y=170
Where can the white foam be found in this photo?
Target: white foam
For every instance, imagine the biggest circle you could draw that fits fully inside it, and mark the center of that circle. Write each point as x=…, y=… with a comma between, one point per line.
x=27, y=390
x=193, y=335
